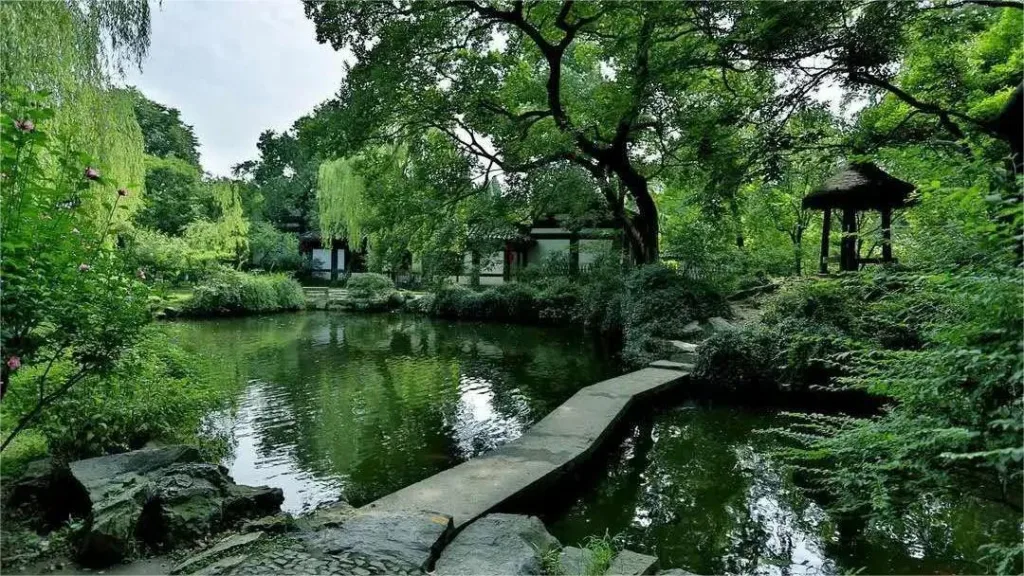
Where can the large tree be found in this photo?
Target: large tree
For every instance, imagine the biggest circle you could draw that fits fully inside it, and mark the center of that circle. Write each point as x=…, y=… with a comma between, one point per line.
x=626, y=91
x=165, y=134
x=617, y=89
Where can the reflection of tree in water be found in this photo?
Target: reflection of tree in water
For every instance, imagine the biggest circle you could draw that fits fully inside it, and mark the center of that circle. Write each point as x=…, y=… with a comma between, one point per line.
x=695, y=487
x=381, y=401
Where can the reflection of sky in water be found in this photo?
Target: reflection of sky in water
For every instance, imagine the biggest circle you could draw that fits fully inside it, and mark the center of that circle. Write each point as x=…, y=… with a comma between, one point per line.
x=697, y=487
x=789, y=548
x=479, y=426
x=251, y=465
x=330, y=406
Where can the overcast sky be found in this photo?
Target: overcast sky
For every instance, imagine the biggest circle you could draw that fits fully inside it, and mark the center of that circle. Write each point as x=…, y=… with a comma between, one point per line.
x=235, y=68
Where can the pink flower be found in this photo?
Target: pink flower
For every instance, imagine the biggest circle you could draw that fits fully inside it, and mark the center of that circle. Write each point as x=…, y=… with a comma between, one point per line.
x=84, y=267
x=14, y=363
x=122, y=192
x=24, y=125
x=92, y=173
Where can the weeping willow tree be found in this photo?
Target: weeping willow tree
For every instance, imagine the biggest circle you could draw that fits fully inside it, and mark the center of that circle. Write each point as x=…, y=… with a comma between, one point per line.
x=341, y=201
x=69, y=49
x=226, y=238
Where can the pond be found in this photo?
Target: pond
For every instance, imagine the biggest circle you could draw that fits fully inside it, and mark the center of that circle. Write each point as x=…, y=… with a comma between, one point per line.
x=329, y=405
x=695, y=486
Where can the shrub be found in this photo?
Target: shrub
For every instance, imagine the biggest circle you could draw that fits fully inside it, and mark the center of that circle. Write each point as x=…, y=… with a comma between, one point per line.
x=559, y=300
x=370, y=286
x=232, y=292
x=651, y=303
x=509, y=302
x=738, y=361
x=657, y=303
x=152, y=392
x=451, y=301
x=67, y=293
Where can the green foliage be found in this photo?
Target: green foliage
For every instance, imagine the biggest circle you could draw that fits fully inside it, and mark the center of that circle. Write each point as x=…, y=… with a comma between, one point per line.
x=370, y=286
x=175, y=196
x=170, y=259
x=68, y=295
x=598, y=552
x=341, y=205
x=225, y=238
x=166, y=136
x=152, y=392
x=512, y=302
x=740, y=362
x=657, y=303
x=68, y=49
x=644, y=306
x=282, y=182
x=227, y=292
x=943, y=349
x=273, y=250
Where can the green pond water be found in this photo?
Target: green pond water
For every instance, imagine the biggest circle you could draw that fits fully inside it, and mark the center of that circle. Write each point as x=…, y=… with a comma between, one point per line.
x=695, y=486
x=328, y=406
x=332, y=406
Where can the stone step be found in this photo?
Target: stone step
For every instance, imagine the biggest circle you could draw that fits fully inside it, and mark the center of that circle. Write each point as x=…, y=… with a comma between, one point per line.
x=671, y=365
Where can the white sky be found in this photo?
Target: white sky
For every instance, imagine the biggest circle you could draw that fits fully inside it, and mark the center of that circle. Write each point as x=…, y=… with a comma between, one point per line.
x=236, y=68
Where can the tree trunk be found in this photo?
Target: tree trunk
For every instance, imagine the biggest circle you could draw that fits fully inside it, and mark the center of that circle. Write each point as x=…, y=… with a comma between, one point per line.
x=644, y=234
x=798, y=249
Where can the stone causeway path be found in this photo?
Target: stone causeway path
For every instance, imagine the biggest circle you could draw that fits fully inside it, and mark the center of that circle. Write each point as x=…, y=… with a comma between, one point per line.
x=446, y=524
x=563, y=439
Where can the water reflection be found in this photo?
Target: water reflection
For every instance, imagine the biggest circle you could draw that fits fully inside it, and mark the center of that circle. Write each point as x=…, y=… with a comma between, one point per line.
x=331, y=405
x=695, y=486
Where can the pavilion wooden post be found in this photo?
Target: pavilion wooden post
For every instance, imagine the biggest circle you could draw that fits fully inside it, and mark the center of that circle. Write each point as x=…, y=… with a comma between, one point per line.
x=826, y=225
x=848, y=251
x=887, y=234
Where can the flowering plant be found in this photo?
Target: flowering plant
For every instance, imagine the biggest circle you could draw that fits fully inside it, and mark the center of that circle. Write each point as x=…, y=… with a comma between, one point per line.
x=67, y=294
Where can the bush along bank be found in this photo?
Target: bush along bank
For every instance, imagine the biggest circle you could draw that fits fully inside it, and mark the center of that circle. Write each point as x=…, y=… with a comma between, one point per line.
x=359, y=292
x=941, y=351
x=642, y=307
x=229, y=292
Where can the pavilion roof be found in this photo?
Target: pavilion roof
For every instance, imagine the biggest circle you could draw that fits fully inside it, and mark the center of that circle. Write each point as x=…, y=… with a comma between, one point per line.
x=861, y=186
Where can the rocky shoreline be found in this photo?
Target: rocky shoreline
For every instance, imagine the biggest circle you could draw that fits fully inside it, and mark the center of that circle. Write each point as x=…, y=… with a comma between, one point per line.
x=164, y=511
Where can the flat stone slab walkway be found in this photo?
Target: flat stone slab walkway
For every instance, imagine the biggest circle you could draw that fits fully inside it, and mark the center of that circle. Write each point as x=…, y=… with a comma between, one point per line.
x=563, y=439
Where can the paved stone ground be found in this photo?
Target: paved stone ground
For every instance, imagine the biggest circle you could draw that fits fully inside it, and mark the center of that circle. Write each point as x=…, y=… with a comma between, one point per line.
x=291, y=557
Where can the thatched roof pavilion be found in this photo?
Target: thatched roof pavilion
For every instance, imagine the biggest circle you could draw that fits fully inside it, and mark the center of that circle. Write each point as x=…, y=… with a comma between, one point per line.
x=857, y=187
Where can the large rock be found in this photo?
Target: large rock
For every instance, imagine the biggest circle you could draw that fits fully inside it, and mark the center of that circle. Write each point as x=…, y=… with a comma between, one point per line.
x=629, y=563
x=230, y=545
x=576, y=561
x=718, y=324
x=405, y=538
x=160, y=498
x=685, y=352
x=45, y=496
x=497, y=544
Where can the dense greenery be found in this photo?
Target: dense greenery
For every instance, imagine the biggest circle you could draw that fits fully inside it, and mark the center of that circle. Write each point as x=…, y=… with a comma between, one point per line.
x=698, y=128
x=227, y=291
x=642, y=308
x=104, y=205
x=69, y=296
x=370, y=286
